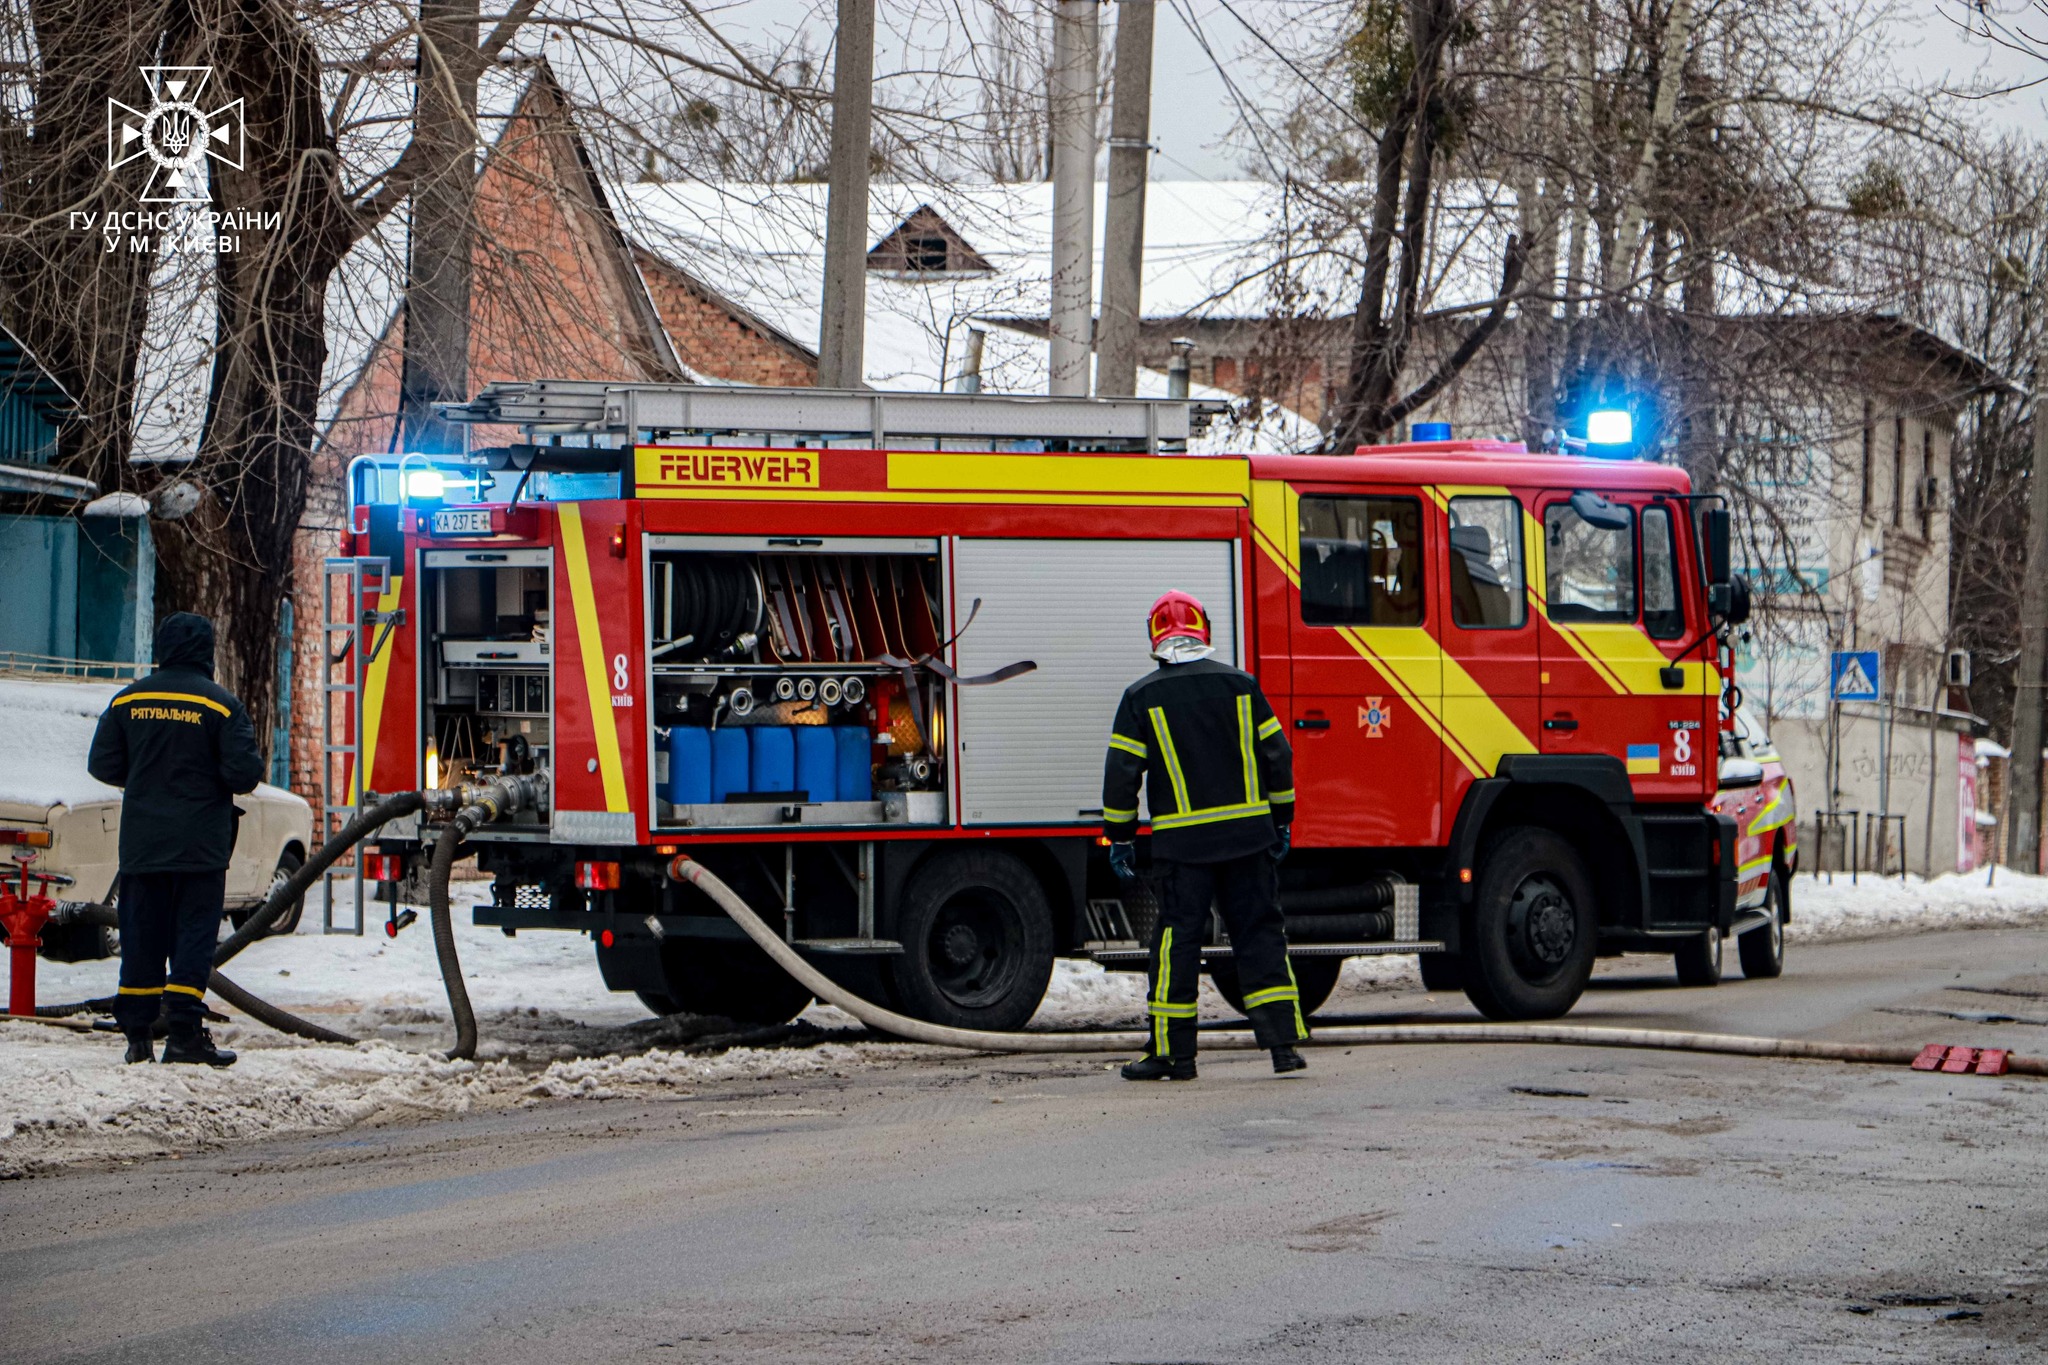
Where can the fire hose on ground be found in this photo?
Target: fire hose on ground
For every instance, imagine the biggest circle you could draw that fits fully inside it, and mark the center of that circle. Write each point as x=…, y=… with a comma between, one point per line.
x=686, y=869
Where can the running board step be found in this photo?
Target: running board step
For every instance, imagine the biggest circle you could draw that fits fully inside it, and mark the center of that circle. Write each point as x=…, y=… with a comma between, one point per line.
x=1134, y=956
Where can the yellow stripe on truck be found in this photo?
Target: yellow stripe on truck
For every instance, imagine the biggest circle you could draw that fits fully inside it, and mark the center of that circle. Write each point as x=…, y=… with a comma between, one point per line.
x=590, y=643
x=374, y=683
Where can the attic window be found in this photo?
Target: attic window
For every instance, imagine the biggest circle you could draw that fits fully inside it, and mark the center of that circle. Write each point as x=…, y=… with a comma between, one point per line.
x=925, y=254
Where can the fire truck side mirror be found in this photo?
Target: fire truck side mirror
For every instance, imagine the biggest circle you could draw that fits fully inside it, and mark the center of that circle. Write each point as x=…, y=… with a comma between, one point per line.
x=1714, y=526
x=1729, y=602
x=1741, y=772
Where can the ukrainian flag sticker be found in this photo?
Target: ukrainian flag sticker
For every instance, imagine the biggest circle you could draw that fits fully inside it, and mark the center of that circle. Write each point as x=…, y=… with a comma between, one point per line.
x=1643, y=758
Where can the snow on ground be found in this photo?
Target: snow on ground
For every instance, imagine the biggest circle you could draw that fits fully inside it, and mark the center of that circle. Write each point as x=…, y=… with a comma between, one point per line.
x=552, y=1031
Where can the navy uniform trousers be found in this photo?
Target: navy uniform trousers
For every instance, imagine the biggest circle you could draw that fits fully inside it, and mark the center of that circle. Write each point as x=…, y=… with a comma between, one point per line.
x=1247, y=891
x=167, y=918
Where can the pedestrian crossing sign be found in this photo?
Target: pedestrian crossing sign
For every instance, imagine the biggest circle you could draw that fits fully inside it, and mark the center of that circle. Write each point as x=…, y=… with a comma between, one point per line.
x=1852, y=675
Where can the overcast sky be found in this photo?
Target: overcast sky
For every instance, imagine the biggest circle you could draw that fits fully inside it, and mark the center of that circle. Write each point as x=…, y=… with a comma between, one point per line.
x=1192, y=109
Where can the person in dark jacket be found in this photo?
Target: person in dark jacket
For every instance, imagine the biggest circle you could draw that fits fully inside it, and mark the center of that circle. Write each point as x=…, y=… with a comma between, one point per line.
x=181, y=747
x=1219, y=775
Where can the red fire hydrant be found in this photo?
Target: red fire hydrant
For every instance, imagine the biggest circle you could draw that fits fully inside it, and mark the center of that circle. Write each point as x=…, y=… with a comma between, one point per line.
x=22, y=916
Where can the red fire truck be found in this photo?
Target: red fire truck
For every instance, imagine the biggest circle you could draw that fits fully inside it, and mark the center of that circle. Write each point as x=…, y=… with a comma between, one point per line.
x=858, y=653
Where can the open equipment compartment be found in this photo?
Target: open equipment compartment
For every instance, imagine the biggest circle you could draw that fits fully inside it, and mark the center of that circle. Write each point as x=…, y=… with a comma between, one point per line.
x=488, y=694
x=786, y=684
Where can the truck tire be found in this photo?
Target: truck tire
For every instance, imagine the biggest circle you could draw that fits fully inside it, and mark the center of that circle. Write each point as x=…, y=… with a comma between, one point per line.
x=1762, y=949
x=977, y=942
x=1534, y=927
x=1314, y=977
x=1699, y=959
x=735, y=981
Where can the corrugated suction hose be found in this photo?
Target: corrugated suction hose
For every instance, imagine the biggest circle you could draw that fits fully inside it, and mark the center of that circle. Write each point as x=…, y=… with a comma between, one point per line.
x=685, y=868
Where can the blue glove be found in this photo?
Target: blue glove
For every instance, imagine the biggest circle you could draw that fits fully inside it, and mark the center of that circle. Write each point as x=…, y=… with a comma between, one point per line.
x=1279, y=850
x=1123, y=860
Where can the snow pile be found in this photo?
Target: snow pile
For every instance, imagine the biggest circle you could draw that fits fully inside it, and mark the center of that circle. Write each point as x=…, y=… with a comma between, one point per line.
x=45, y=739
x=614, y=1077
x=1823, y=910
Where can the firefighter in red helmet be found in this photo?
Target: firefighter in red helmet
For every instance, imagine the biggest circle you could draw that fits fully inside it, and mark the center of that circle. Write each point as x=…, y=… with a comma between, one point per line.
x=1219, y=777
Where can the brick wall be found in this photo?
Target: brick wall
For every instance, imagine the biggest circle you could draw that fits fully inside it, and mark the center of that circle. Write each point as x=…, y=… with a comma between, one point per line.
x=715, y=339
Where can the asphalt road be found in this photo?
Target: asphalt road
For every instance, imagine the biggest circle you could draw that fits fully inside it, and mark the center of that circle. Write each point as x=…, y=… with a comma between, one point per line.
x=1439, y=1203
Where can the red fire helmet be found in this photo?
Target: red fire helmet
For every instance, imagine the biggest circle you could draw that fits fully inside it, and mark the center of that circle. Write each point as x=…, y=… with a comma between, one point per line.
x=1179, y=613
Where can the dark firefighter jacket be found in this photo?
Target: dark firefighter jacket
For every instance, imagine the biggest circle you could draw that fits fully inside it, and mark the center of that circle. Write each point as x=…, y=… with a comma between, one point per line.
x=1217, y=770
x=182, y=748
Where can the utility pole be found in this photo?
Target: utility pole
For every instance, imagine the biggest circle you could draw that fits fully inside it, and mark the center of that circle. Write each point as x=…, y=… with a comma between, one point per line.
x=2023, y=840
x=435, y=366
x=1076, y=34
x=842, y=328
x=1123, y=231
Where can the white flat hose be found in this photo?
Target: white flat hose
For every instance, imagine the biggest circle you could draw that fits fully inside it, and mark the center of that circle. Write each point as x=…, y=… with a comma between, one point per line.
x=685, y=868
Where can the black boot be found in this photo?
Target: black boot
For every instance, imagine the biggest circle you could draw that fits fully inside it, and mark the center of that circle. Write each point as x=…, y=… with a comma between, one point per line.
x=1285, y=1059
x=1149, y=1068
x=196, y=1046
x=141, y=1047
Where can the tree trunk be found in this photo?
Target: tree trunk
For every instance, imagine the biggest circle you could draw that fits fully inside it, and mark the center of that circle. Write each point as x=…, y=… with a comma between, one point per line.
x=232, y=559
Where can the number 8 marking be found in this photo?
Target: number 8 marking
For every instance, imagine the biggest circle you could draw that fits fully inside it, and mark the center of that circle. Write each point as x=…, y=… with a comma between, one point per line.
x=1681, y=743
x=618, y=672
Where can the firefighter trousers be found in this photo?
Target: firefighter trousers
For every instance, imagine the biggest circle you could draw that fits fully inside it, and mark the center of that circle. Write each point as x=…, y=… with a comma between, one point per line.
x=168, y=919
x=1247, y=892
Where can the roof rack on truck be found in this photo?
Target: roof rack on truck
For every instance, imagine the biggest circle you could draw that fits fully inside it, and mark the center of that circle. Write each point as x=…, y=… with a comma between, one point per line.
x=733, y=414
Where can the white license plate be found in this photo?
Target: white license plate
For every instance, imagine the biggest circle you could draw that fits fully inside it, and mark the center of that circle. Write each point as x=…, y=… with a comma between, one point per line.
x=462, y=521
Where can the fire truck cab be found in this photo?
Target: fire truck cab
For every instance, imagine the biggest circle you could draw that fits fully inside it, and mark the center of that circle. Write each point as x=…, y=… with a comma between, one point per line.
x=858, y=653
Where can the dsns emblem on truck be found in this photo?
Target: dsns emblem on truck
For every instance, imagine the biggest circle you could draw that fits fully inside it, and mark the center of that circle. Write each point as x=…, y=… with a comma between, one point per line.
x=1374, y=717
x=736, y=469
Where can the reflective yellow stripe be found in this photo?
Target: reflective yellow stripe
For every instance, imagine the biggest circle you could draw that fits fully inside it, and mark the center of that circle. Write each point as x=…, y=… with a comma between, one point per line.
x=141, y=990
x=173, y=696
x=1246, y=733
x=1211, y=816
x=1171, y=1011
x=1270, y=728
x=1167, y=752
x=1300, y=1024
x=374, y=682
x=1159, y=991
x=195, y=992
x=1108, y=813
x=1271, y=994
x=602, y=719
x=1752, y=866
x=1281, y=798
x=1129, y=746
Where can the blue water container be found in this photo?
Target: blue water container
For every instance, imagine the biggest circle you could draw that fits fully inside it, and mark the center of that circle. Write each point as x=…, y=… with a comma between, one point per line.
x=817, y=763
x=689, y=766
x=730, y=758
x=774, y=766
x=856, y=763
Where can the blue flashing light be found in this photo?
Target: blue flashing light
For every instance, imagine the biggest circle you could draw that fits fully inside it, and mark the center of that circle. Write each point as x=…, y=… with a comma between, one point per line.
x=425, y=485
x=1610, y=427
x=1430, y=431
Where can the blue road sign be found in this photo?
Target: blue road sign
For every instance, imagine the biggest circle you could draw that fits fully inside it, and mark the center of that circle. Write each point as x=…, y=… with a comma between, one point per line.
x=1852, y=675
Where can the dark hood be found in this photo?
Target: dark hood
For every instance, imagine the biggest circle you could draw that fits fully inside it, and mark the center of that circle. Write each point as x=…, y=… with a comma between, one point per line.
x=185, y=640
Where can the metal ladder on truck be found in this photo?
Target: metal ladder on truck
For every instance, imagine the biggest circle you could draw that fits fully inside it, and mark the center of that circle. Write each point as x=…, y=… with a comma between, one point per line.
x=349, y=640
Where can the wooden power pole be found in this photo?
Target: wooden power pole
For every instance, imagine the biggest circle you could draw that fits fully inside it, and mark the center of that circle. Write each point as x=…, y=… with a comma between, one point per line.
x=1076, y=27
x=1123, y=229
x=2023, y=839
x=435, y=367
x=842, y=329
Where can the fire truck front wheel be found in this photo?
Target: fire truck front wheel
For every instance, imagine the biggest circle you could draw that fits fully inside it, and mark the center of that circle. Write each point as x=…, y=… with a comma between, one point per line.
x=977, y=942
x=1534, y=931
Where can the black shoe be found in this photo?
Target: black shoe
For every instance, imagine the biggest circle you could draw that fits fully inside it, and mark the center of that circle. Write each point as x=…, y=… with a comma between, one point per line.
x=1286, y=1059
x=196, y=1047
x=141, y=1048
x=1160, y=1069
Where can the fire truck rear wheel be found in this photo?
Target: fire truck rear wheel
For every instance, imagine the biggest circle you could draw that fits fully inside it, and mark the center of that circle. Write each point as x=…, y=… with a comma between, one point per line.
x=1699, y=961
x=1314, y=977
x=1762, y=949
x=735, y=981
x=977, y=942
x=1534, y=928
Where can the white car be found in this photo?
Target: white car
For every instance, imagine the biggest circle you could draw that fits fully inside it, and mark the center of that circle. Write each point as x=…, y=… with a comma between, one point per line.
x=59, y=820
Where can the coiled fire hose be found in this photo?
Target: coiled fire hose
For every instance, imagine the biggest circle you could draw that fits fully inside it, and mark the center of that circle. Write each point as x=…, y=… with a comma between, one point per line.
x=686, y=869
